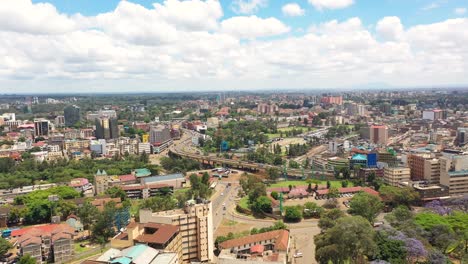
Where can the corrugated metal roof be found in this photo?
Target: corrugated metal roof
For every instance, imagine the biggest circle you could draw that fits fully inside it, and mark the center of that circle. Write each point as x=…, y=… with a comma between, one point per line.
x=163, y=178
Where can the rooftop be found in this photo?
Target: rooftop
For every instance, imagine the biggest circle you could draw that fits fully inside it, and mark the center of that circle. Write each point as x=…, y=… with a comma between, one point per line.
x=280, y=237
x=167, y=177
x=142, y=172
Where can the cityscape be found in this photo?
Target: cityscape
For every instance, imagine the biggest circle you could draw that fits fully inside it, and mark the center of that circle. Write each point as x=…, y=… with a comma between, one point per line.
x=233, y=132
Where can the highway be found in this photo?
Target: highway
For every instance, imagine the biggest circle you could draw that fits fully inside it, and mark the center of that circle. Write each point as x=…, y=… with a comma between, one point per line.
x=178, y=149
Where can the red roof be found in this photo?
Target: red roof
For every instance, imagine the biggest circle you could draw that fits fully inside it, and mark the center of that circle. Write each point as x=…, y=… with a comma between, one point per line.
x=128, y=177
x=280, y=237
x=39, y=144
x=257, y=249
x=42, y=228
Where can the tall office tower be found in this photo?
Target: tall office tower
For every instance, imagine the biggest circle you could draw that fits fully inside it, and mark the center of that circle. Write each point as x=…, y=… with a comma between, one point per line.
x=72, y=115
x=106, y=128
x=41, y=127
x=378, y=134
x=195, y=223
x=462, y=136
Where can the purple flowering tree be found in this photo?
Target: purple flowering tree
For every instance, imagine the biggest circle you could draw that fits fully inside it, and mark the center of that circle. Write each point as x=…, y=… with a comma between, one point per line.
x=414, y=248
x=438, y=208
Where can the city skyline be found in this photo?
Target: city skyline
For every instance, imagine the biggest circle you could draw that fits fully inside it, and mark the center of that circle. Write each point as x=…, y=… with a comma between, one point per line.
x=194, y=45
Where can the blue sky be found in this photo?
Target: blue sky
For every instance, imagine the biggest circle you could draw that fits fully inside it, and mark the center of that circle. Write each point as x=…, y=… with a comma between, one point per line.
x=148, y=45
x=411, y=12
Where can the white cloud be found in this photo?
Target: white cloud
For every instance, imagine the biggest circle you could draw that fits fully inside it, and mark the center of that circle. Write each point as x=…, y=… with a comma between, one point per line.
x=292, y=9
x=41, y=18
x=460, y=11
x=390, y=28
x=248, y=6
x=253, y=26
x=431, y=6
x=331, y=4
x=166, y=47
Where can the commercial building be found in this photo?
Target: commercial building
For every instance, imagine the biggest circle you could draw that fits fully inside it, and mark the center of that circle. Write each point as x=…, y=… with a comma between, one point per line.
x=144, y=148
x=144, y=191
x=394, y=175
x=338, y=100
x=106, y=128
x=268, y=247
x=160, y=138
x=454, y=174
x=428, y=192
x=424, y=168
x=435, y=114
x=59, y=121
x=163, y=237
x=378, y=134
x=269, y=109
x=41, y=127
x=195, y=224
x=72, y=115
x=462, y=136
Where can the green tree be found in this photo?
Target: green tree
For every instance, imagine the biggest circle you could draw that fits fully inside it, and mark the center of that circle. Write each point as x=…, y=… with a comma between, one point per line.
x=27, y=259
x=399, y=216
x=116, y=192
x=395, y=196
x=273, y=173
x=159, y=203
x=87, y=214
x=292, y=213
x=391, y=250
x=103, y=227
x=311, y=209
x=365, y=205
x=257, y=190
x=262, y=204
x=275, y=195
x=329, y=218
x=5, y=245
x=333, y=193
x=352, y=238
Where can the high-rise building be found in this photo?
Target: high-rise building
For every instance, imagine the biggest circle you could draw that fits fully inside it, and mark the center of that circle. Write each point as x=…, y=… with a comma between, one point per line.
x=424, y=168
x=454, y=174
x=195, y=223
x=106, y=128
x=72, y=115
x=59, y=121
x=462, y=136
x=378, y=134
x=41, y=127
x=160, y=138
x=394, y=175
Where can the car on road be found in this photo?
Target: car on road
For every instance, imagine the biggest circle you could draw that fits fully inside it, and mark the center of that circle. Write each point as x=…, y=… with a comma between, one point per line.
x=222, y=194
x=298, y=255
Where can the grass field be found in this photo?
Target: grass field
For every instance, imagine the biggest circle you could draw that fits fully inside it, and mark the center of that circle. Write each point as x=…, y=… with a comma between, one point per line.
x=336, y=184
x=244, y=202
x=284, y=129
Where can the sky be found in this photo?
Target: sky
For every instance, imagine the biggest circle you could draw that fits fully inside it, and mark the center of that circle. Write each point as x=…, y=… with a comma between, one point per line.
x=61, y=46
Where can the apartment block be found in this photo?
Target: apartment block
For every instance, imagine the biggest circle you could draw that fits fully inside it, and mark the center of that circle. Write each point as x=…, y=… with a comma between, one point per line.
x=378, y=134
x=195, y=223
x=394, y=175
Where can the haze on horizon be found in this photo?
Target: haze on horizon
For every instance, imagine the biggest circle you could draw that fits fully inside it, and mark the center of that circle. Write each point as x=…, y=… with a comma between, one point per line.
x=61, y=46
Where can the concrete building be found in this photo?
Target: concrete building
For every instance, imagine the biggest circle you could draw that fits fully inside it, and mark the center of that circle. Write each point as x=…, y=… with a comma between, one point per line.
x=51, y=243
x=195, y=223
x=424, y=168
x=160, y=138
x=454, y=174
x=72, y=115
x=268, y=109
x=394, y=175
x=462, y=136
x=163, y=237
x=428, y=192
x=435, y=114
x=144, y=148
x=59, y=121
x=378, y=134
x=106, y=128
x=338, y=100
x=41, y=127
x=212, y=122
x=268, y=247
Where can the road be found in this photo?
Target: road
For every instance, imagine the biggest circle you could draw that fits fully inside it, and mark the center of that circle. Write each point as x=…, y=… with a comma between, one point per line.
x=179, y=149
